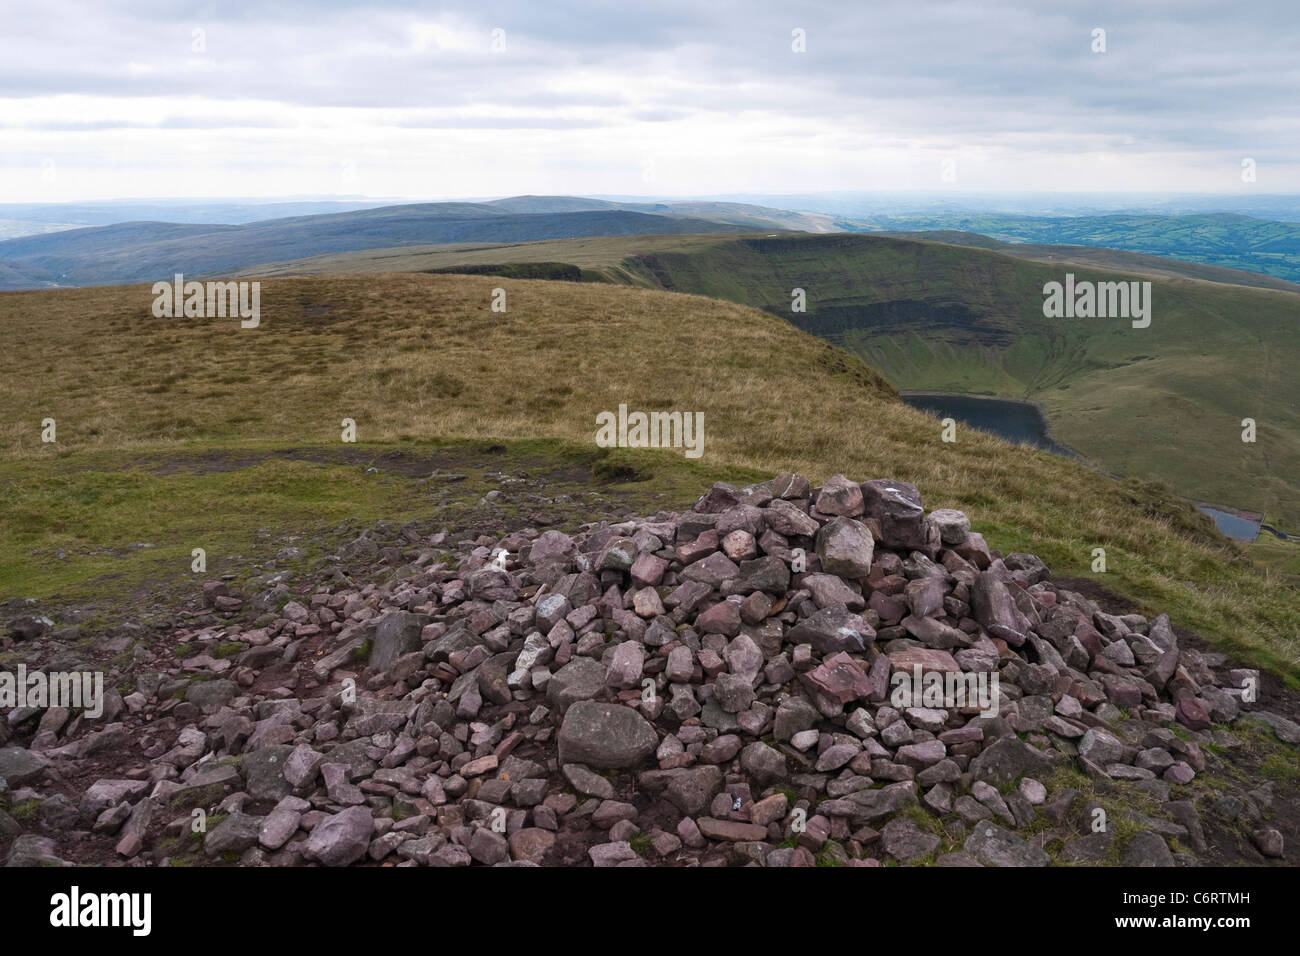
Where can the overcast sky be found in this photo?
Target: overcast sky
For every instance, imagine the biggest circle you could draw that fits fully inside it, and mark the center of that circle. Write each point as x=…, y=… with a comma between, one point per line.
x=106, y=99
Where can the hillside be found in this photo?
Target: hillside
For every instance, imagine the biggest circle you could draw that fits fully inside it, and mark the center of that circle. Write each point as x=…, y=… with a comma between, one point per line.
x=237, y=431
x=150, y=251
x=729, y=213
x=1114, y=260
x=934, y=317
x=1164, y=402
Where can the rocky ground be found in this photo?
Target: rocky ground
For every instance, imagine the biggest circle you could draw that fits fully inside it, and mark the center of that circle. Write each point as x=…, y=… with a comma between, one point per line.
x=707, y=688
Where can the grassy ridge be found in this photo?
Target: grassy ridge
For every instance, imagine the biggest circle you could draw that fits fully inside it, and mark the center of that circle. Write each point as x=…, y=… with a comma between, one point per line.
x=148, y=252
x=418, y=358
x=1165, y=402
x=1109, y=259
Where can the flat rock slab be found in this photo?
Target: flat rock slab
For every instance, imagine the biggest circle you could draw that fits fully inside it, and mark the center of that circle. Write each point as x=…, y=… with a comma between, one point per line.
x=731, y=830
x=993, y=845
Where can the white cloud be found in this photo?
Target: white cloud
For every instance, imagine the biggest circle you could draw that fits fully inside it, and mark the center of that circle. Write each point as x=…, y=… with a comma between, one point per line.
x=583, y=96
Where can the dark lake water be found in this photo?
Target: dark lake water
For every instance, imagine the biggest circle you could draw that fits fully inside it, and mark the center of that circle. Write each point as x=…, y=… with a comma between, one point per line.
x=1022, y=423
x=1018, y=422
x=1234, y=526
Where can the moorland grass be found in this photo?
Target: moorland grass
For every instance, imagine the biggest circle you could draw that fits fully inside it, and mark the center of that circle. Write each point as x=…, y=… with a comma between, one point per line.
x=419, y=358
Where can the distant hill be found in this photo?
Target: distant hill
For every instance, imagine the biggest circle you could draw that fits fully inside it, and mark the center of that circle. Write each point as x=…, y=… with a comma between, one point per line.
x=731, y=213
x=149, y=251
x=1218, y=239
x=30, y=218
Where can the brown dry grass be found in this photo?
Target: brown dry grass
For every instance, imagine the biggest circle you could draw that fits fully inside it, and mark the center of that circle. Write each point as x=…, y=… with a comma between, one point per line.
x=423, y=357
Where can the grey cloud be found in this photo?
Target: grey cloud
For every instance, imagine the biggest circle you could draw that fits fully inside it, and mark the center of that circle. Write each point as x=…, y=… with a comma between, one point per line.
x=1178, y=75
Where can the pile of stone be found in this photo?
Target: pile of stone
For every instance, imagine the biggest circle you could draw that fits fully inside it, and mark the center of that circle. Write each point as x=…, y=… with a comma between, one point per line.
x=718, y=687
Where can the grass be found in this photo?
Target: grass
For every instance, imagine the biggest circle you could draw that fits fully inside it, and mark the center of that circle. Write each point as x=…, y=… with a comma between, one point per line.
x=134, y=465
x=97, y=506
x=1164, y=402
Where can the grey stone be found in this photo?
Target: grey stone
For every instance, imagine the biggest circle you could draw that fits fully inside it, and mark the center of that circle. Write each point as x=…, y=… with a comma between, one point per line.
x=264, y=773
x=342, y=838
x=763, y=763
x=833, y=629
x=235, y=834
x=395, y=634
x=605, y=735
x=1008, y=759
x=845, y=547
x=993, y=845
x=21, y=767
x=587, y=781
x=1147, y=849
x=32, y=850
x=905, y=841
x=580, y=679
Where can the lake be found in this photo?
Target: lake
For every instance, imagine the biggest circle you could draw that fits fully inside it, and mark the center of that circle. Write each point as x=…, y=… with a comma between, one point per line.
x=1234, y=526
x=1019, y=422
x=1024, y=424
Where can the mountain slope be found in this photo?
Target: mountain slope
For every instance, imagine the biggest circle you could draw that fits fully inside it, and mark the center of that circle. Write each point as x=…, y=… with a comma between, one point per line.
x=732, y=213
x=1165, y=402
x=935, y=317
x=139, y=252
x=416, y=358
x=1101, y=257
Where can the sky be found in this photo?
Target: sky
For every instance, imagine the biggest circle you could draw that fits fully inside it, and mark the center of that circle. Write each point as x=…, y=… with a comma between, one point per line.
x=109, y=99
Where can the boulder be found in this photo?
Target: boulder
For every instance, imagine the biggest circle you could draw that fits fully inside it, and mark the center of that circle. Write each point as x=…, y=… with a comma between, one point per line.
x=608, y=736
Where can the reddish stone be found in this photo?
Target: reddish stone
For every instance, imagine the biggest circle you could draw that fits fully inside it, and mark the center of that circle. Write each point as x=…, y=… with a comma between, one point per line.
x=1088, y=637
x=890, y=607
x=841, y=678
x=929, y=658
x=1192, y=714
x=732, y=830
x=961, y=735
x=723, y=618
x=701, y=547
x=975, y=550
x=648, y=570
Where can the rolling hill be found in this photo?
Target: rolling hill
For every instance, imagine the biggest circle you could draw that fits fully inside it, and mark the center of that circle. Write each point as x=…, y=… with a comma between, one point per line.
x=1165, y=402
x=138, y=252
x=150, y=251
x=231, y=428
